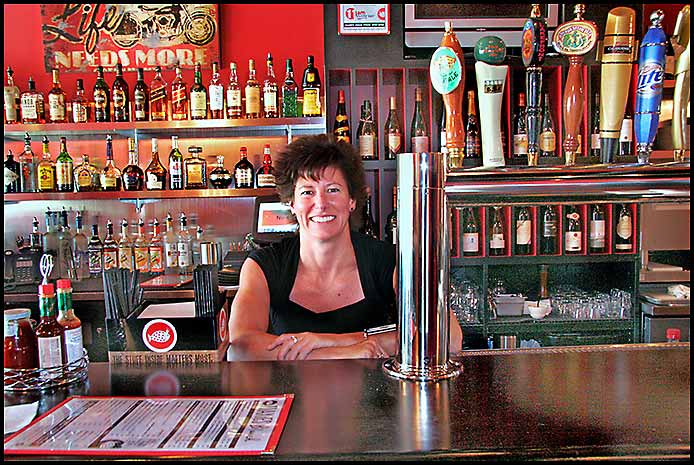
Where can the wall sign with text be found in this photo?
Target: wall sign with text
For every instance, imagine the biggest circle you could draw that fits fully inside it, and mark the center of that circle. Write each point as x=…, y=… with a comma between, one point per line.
x=366, y=19
x=78, y=37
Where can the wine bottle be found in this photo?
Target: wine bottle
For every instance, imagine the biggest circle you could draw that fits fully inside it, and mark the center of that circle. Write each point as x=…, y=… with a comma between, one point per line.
x=573, y=238
x=548, y=136
x=472, y=129
x=471, y=233
x=368, y=226
x=624, y=232
x=497, y=240
x=392, y=132
x=595, y=128
x=520, y=129
x=367, y=134
x=548, y=240
x=419, y=135
x=597, y=229
x=523, y=231
x=391, y=231
x=341, y=128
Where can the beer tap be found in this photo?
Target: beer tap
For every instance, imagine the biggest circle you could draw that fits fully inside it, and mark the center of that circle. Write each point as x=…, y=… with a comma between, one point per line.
x=490, y=52
x=574, y=39
x=680, y=135
x=649, y=90
x=617, y=56
x=534, y=48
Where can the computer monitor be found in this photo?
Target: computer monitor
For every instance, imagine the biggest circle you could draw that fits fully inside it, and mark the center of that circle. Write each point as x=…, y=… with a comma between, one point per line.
x=272, y=220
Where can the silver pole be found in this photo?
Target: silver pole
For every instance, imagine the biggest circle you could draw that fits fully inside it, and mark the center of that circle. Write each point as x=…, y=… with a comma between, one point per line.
x=423, y=317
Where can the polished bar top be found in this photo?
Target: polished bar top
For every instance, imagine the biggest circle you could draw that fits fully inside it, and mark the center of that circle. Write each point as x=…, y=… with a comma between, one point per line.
x=597, y=402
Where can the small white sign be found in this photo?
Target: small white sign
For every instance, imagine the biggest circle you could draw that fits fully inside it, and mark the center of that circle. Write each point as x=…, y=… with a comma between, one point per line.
x=363, y=19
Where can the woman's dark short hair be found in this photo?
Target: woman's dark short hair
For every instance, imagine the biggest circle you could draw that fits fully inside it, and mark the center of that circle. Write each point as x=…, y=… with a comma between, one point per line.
x=308, y=156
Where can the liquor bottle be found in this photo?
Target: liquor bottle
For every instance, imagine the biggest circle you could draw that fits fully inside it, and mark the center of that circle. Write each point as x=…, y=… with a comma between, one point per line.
x=64, y=174
x=595, y=128
x=220, y=177
x=36, y=246
x=133, y=177
x=183, y=246
x=95, y=253
x=216, y=90
x=419, y=135
x=234, y=107
x=51, y=246
x=626, y=136
x=46, y=170
x=179, y=97
x=367, y=135
x=520, y=129
x=170, y=247
x=72, y=326
x=252, y=92
x=110, y=248
x=31, y=103
x=84, y=175
x=311, y=88
x=597, y=229
x=573, y=239
x=126, y=256
x=391, y=231
x=472, y=129
x=110, y=175
x=80, y=106
x=155, y=174
x=524, y=227
x=156, y=250
x=57, y=112
x=289, y=93
x=243, y=171
x=497, y=238
x=195, y=246
x=392, y=132
x=79, y=250
x=12, y=174
x=442, y=131
x=141, y=248
x=27, y=167
x=12, y=99
x=157, y=97
x=198, y=96
x=102, y=98
x=175, y=166
x=195, y=170
x=341, y=129
x=265, y=177
x=49, y=333
x=270, y=91
x=121, y=96
x=141, y=97
x=471, y=233
x=65, y=264
x=548, y=137
x=360, y=126
x=368, y=224
x=623, y=238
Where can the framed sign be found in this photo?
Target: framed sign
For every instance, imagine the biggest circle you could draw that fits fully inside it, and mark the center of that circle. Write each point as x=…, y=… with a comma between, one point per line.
x=363, y=19
x=78, y=37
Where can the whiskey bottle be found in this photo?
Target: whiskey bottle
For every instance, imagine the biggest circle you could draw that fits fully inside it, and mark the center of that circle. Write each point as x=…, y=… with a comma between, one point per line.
x=32, y=105
x=596, y=237
x=391, y=231
x=234, y=107
x=155, y=174
x=311, y=87
x=79, y=250
x=368, y=224
x=548, y=240
x=141, y=248
x=126, y=257
x=220, y=177
x=471, y=233
x=121, y=97
x=595, y=128
x=270, y=91
x=110, y=248
x=57, y=112
x=520, y=129
x=133, y=177
x=419, y=134
x=624, y=231
x=252, y=92
x=49, y=333
x=573, y=240
x=179, y=97
x=265, y=177
x=72, y=326
x=95, y=253
x=12, y=174
x=84, y=175
x=170, y=247
x=156, y=250
x=110, y=175
x=27, y=167
x=195, y=170
x=12, y=99
x=157, y=99
x=497, y=238
x=175, y=165
x=341, y=129
x=183, y=246
x=367, y=134
x=548, y=136
x=46, y=170
x=524, y=229
x=102, y=98
x=392, y=132
x=472, y=129
x=64, y=174
x=198, y=96
x=216, y=90
x=141, y=97
x=289, y=93
x=80, y=106
x=243, y=171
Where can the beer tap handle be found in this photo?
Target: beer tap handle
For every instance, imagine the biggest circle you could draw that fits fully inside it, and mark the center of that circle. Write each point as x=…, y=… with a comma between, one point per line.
x=534, y=48
x=680, y=135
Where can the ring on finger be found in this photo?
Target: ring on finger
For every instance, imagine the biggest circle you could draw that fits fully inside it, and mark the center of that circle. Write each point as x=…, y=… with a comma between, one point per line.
x=294, y=339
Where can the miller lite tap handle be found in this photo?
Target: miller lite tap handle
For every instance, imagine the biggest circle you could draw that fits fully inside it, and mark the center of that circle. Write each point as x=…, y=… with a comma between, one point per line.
x=574, y=39
x=649, y=90
x=680, y=135
x=615, y=75
x=534, y=48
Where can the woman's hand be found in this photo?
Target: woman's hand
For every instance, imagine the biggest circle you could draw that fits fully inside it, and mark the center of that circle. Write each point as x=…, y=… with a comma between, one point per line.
x=300, y=345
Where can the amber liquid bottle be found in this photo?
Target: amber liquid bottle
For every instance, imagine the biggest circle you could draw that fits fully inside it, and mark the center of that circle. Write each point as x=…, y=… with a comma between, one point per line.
x=102, y=98
x=133, y=177
x=157, y=98
x=341, y=129
x=392, y=132
x=270, y=107
x=252, y=92
x=472, y=129
x=110, y=175
x=311, y=86
x=121, y=97
x=234, y=107
x=141, y=97
x=57, y=112
x=155, y=174
x=179, y=97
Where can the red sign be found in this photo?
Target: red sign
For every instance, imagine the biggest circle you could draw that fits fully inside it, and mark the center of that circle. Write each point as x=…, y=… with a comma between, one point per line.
x=159, y=335
x=77, y=37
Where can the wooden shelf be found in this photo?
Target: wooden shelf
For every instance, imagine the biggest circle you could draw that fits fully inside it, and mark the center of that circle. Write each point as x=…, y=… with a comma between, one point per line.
x=128, y=195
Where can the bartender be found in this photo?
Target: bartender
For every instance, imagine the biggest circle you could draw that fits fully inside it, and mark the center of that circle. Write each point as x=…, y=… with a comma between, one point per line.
x=316, y=294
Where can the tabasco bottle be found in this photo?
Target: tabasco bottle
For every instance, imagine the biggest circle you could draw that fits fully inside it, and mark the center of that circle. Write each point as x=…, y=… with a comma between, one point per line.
x=72, y=326
x=49, y=333
x=311, y=87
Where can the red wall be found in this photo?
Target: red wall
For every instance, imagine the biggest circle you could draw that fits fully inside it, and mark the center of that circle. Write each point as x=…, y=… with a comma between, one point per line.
x=246, y=31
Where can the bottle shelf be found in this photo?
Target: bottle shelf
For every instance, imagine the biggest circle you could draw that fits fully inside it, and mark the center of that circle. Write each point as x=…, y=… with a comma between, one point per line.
x=127, y=195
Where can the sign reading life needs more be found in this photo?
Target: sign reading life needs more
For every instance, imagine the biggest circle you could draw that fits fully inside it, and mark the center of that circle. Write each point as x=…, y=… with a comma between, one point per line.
x=363, y=19
x=79, y=37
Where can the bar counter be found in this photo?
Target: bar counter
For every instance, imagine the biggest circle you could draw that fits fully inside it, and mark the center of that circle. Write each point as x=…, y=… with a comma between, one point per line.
x=586, y=402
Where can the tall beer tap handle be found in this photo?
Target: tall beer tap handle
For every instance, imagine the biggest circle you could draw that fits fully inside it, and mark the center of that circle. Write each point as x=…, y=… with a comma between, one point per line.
x=534, y=48
x=680, y=135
